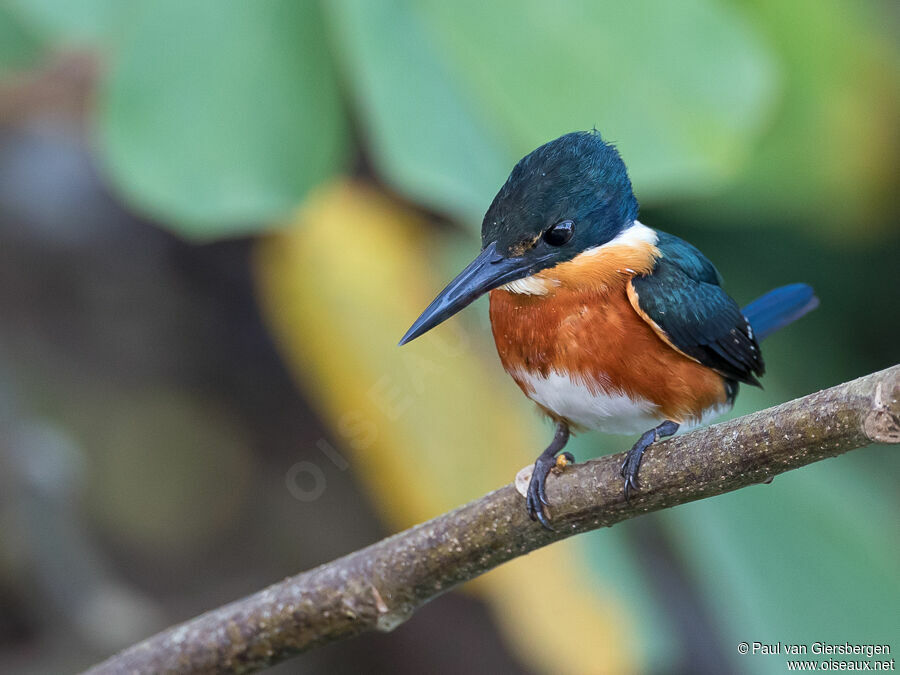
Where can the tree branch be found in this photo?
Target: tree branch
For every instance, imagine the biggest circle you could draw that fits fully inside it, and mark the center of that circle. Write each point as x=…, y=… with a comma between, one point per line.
x=379, y=587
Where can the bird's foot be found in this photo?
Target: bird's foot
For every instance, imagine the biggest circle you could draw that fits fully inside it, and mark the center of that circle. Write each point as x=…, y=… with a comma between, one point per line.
x=631, y=466
x=632, y=463
x=536, y=498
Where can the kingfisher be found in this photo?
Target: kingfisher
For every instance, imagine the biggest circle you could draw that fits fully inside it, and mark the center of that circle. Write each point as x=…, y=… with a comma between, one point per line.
x=604, y=322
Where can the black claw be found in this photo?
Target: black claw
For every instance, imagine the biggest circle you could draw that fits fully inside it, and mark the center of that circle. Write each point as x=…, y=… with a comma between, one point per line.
x=529, y=506
x=632, y=463
x=570, y=458
x=537, y=493
x=536, y=512
x=630, y=484
x=630, y=468
x=542, y=517
x=542, y=486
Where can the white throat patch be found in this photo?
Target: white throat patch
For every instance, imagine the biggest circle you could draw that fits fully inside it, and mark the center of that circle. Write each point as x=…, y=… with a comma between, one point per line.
x=529, y=286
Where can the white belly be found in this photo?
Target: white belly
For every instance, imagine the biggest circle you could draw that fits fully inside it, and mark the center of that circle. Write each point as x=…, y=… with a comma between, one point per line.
x=608, y=409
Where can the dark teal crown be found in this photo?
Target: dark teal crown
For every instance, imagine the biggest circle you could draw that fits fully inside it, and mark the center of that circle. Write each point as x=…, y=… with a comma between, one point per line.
x=578, y=177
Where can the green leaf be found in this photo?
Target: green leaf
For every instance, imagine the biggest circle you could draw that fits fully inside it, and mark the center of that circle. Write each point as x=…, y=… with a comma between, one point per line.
x=830, y=156
x=20, y=45
x=425, y=135
x=218, y=117
x=454, y=93
x=78, y=22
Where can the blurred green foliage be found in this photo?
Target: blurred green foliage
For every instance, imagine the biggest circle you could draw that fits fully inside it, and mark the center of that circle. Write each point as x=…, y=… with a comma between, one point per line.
x=790, y=562
x=206, y=106
x=486, y=96
x=763, y=131
x=218, y=116
x=19, y=45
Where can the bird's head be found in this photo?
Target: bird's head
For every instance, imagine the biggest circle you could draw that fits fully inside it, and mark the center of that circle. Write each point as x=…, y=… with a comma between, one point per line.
x=569, y=195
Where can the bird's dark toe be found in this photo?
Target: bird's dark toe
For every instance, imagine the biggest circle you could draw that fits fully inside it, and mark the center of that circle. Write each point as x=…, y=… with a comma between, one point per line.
x=536, y=497
x=629, y=472
x=543, y=520
x=630, y=484
x=530, y=507
x=536, y=511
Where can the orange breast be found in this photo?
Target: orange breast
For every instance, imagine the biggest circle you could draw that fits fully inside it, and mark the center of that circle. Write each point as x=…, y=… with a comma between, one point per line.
x=592, y=332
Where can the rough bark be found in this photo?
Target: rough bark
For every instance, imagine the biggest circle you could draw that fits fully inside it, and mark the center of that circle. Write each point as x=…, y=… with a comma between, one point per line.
x=379, y=587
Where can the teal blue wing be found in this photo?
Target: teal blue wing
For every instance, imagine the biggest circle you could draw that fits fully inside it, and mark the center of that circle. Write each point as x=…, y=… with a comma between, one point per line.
x=688, y=258
x=684, y=300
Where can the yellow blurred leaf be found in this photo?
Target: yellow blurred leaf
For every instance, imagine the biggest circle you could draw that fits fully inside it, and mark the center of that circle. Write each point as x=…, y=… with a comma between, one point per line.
x=429, y=426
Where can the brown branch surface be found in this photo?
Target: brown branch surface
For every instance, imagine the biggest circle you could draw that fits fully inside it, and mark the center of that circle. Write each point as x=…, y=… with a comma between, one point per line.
x=379, y=587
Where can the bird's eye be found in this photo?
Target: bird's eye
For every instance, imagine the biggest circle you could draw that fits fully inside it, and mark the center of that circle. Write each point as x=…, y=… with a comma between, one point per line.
x=560, y=233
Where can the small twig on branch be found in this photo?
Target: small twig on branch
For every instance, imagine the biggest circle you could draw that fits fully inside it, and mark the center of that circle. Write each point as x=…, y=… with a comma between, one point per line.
x=379, y=587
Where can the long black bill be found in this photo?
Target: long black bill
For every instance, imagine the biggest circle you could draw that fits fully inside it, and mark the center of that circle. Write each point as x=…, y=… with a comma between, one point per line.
x=489, y=270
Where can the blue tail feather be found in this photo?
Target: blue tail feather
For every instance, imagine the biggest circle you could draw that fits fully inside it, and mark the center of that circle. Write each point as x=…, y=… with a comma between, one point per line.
x=779, y=307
